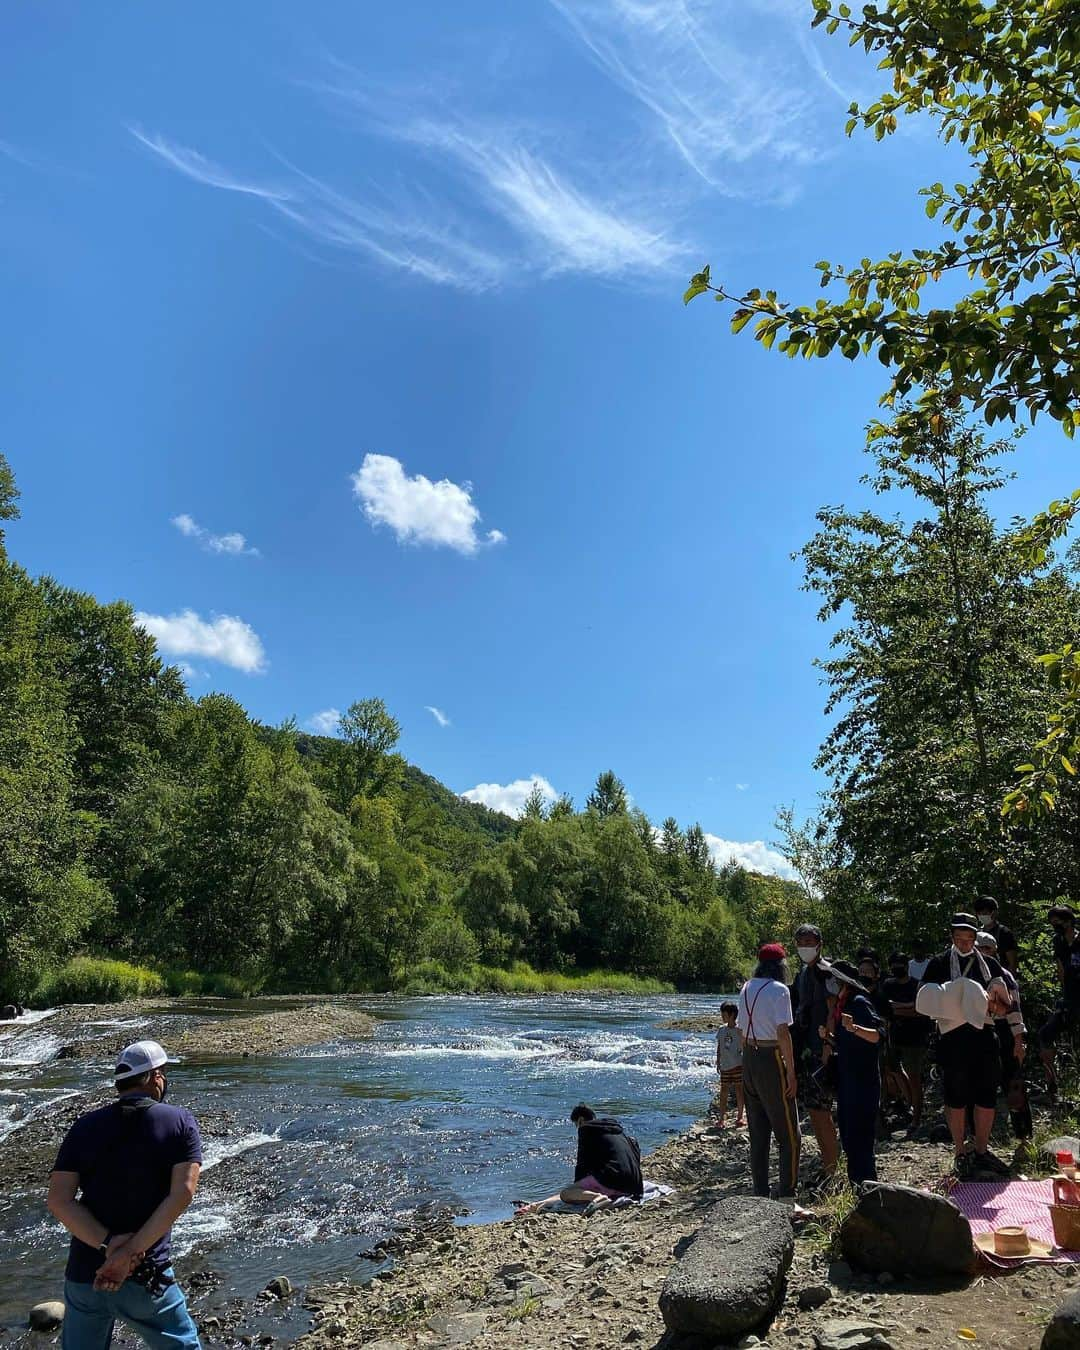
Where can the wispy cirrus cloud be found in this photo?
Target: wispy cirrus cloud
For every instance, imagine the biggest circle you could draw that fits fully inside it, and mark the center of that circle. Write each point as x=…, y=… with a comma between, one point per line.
x=419, y=511
x=232, y=543
x=730, y=91
x=222, y=638
x=192, y=164
x=438, y=715
x=565, y=226
x=526, y=216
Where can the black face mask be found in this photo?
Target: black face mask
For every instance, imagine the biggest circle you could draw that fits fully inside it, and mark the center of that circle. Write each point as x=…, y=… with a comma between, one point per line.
x=899, y=972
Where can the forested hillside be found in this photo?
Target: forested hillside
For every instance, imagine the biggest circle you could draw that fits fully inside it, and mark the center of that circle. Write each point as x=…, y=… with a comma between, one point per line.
x=140, y=823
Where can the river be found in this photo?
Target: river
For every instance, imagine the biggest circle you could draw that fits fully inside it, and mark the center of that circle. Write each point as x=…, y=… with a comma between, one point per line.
x=314, y=1156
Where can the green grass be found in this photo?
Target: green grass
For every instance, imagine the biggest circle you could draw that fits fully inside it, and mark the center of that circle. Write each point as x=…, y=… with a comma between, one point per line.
x=430, y=977
x=822, y=1233
x=193, y=983
x=86, y=979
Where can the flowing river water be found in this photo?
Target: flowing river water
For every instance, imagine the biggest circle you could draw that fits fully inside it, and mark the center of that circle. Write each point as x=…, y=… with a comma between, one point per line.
x=312, y=1157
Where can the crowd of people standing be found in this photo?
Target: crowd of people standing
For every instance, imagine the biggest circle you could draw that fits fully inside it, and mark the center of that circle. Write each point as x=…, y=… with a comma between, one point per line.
x=845, y=1048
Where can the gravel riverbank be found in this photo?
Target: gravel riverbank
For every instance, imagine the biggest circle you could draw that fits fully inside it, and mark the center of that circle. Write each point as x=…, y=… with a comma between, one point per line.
x=563, y=1279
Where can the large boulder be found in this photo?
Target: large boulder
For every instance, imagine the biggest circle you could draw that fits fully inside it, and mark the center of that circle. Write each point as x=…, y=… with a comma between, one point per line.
x=730, y=1280
x=45, y=1316
x=907, y=1232
x=1063, y=1330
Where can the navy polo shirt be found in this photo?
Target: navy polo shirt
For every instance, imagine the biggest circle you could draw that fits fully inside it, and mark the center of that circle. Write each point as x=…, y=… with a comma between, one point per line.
x=124, y=1158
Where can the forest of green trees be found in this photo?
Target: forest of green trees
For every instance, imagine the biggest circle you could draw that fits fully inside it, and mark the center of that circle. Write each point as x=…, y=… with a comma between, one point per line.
x=144, y=825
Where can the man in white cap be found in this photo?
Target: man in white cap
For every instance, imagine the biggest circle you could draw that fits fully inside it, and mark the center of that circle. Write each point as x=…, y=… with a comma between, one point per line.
x=123, y=1176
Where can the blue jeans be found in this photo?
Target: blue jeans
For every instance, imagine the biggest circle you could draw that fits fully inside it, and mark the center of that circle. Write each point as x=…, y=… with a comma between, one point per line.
x=162, y=1321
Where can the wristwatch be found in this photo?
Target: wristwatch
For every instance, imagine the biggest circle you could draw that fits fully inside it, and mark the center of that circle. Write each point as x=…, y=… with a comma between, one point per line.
x=104, y=1246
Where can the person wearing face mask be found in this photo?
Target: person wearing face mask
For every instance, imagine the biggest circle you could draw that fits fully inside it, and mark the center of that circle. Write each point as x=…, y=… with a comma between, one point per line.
x=908, y=1034
x=123, y=1176
x=1008, y=953
x=856, y=1028
x=810, y=1004
x=1066, y=1014
x=967, y=1044
x=1012, y=1047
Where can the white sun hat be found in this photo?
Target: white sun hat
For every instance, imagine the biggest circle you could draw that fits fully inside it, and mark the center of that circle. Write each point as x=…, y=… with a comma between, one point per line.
x=140, y=1058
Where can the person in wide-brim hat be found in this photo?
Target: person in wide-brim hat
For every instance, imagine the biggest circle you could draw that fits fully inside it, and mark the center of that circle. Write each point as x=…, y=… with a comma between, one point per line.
x=856, y=1036
x=843, y=972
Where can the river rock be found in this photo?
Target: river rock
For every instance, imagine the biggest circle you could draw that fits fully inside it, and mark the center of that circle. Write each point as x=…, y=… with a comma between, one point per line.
x=457, y=1329
x=814, y=1296
x=851, y=1333
x=279, y=1287
x=907, y=1231
x=730, y=1279
x=1063, y=1329
x=45, y=1316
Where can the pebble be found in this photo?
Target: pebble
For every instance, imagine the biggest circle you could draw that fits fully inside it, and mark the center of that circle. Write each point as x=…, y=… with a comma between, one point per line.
x=813, y=1296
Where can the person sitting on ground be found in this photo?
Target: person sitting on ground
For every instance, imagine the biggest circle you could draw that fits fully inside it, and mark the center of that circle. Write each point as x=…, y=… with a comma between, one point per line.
x=968, y=1053
x=729, y=1065
x=909, y=1034
x=810, y=1004
x=136, y=1163
x=1066, y=1014
x=856, y=1033
x=769, y=1080
x=1008, y=951
x=1012, y=1046
x=608, y=1163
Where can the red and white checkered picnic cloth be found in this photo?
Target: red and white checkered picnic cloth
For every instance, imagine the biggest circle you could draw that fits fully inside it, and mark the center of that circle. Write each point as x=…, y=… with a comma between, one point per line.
x=997, y=1204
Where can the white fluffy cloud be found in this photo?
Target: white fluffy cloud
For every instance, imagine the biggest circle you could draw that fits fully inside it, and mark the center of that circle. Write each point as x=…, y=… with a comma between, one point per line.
x=754, y=855
x=325, y=722
x=233, y=542
x=222, y=638
x=510, y=798
x=438, y=715
x=419, y=511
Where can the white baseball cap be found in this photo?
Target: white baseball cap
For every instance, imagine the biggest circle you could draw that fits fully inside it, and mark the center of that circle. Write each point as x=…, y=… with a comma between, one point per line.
x=140, y=1058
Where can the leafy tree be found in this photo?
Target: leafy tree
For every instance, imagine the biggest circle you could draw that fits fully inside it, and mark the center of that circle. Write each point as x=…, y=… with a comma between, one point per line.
x=498, y=920
x=47, y=897
x=930, y=677
x=608, y=798
x=362, y=761
x=1000, y=82
x=535, y=803
x=9, y=499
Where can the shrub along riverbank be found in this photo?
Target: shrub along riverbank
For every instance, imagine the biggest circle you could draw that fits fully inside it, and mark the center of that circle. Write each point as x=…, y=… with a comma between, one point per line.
x=87, y=979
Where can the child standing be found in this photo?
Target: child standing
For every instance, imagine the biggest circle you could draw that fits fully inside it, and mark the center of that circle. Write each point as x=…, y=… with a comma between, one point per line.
x=729, y=1064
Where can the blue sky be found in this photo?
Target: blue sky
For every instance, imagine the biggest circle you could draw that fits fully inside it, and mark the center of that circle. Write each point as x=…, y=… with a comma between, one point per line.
x=346, y=342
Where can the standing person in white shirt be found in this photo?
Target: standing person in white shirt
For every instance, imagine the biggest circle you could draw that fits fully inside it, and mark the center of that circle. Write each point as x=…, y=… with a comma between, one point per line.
x=769, y=1082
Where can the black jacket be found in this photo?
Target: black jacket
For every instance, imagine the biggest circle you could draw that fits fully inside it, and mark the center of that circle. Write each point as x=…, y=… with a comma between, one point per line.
x=605, y=1152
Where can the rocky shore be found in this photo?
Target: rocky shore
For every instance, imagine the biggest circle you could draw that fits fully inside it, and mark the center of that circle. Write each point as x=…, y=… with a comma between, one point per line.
x=564, y=1279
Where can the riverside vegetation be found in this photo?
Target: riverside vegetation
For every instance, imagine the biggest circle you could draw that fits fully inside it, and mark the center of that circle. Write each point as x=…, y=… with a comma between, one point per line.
x=206, y=853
